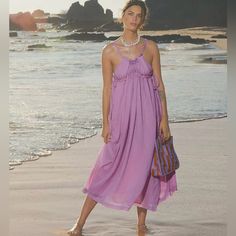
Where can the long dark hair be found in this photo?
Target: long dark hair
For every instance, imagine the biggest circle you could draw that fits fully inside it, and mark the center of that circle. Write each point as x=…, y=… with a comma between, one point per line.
x=143, y=6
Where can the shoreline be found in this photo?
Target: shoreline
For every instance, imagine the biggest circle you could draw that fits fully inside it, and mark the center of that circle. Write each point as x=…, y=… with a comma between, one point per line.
x=36, y=158
x=46, y=196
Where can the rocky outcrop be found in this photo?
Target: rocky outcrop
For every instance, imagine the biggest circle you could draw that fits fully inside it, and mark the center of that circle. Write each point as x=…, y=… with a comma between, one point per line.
x=89, y=16
x=219, y=36
x=170, y=14
x=168, y=38
x=163, y=14
x=38, y=13
x=178, y=38
x=22, y=21
x=100, y=37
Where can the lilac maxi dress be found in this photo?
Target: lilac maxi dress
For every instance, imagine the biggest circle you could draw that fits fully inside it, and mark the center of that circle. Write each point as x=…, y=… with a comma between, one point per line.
x=121, y=175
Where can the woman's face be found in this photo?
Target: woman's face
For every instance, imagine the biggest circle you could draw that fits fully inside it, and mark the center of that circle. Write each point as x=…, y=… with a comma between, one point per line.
x=132, y=18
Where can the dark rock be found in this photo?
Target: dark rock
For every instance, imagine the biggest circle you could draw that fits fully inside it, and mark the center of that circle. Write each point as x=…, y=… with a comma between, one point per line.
x=168, y=38
x=38, y=46
x=172, y=38
x=100, y=37
x=75, y=13
x=215, y=59
x=93, y=11
x=177, y=38
x=22, y=21
x=87, y=17
x=13, y=34
x=109, y=15
x=219, y=36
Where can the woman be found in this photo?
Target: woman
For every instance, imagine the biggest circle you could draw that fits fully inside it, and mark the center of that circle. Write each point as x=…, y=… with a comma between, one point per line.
x=134, y=110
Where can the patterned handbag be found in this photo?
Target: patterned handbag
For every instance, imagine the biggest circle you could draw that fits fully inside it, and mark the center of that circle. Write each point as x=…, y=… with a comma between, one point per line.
x=165, y=159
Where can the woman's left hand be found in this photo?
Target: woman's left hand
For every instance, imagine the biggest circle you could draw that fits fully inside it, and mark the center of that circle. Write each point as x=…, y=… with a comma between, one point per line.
x=164, y=129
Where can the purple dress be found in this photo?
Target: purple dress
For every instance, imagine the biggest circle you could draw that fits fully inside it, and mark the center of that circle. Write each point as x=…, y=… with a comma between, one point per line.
x=121, y=175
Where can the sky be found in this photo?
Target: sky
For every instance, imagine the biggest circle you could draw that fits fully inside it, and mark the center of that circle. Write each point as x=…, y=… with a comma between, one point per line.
x=56, y=6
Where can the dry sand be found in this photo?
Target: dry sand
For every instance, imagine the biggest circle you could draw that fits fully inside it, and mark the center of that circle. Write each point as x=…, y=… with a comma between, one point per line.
x=46, y=197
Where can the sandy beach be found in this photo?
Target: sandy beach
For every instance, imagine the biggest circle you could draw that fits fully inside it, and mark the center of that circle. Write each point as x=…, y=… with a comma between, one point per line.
x=46, y=197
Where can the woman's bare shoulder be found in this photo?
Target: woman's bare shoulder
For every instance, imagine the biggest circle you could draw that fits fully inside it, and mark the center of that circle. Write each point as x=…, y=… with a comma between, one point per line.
x=108, y=49
x=152, y=45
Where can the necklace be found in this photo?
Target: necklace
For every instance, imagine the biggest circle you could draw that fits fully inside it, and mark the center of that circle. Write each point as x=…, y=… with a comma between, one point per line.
x=129, y=44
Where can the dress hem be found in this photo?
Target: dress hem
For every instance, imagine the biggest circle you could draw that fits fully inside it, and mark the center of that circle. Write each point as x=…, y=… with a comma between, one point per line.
x=109, y=205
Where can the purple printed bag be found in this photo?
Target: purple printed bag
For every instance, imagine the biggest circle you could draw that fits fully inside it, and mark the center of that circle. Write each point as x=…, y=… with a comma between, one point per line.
x=165, y=159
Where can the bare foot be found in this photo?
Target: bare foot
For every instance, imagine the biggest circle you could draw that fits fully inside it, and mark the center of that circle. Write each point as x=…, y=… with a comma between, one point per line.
x=142, y=228
x=76, y=230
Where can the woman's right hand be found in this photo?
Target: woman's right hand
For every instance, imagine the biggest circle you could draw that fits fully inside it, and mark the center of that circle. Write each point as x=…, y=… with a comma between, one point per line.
x=106, y=134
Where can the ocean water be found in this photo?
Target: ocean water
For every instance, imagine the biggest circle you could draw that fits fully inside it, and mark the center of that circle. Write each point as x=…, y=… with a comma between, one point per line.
x=55, y=92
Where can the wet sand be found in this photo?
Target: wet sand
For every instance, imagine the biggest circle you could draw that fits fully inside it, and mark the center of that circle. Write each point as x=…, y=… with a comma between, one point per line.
x=46, y=195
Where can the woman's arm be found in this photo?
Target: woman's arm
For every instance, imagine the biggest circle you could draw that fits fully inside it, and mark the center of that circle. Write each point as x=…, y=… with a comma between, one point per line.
x=156, y=65
x=107, y=85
